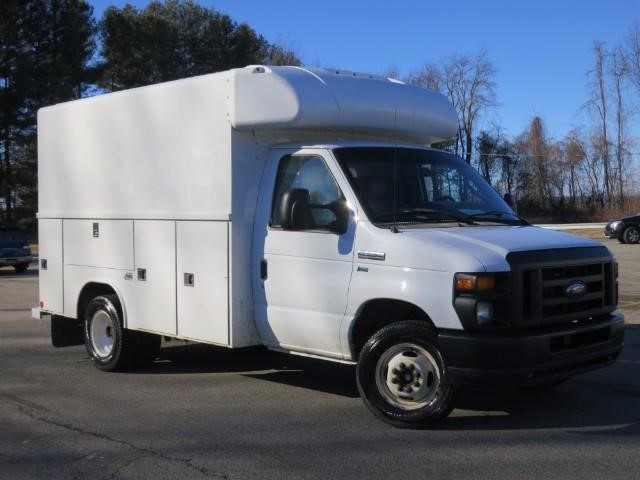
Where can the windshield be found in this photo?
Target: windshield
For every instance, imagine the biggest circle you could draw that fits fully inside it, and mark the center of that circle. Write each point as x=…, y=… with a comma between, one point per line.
x=407, y=185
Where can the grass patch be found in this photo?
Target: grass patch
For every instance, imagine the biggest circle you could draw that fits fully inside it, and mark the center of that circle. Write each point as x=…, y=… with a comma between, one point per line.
x=595, y=233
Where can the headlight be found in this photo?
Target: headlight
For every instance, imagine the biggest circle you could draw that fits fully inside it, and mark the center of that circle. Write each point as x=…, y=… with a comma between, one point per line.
x=616, y=224
x=481, y=300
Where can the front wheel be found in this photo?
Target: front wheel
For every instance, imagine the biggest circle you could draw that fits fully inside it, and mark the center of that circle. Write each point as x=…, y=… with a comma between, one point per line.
x=402, y=377
x=631, y=235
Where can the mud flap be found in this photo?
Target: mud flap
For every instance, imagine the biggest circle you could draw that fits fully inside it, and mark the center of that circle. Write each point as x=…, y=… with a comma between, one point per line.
x=66, y=332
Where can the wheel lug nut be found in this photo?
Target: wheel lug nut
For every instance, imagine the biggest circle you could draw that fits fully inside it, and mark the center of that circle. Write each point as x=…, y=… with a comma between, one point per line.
x=402, y=365
x=412, y=366
x=394, y=380
x=395, y=371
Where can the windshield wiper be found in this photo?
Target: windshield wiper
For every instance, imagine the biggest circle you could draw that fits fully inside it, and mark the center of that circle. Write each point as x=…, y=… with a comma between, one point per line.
x=499, y=214
x=422, y=212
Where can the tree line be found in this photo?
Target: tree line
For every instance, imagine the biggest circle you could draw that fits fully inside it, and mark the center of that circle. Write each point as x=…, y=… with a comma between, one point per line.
x=54, y=50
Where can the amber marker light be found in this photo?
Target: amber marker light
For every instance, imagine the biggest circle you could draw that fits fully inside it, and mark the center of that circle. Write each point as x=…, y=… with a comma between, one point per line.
x=464, y=283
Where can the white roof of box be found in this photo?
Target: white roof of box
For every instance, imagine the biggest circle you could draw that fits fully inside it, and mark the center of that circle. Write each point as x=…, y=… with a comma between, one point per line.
x=331, y=100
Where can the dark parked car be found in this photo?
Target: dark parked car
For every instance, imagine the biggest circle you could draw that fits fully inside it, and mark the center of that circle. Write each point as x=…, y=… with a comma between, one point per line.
x=625, y=229
x=14, y=249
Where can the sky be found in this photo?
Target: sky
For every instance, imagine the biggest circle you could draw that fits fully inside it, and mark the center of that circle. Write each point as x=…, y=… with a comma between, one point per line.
x=542, y=49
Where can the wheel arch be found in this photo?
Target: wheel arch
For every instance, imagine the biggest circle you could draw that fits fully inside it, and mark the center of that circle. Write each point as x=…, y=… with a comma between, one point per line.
x=93, y=289
x=376, y=313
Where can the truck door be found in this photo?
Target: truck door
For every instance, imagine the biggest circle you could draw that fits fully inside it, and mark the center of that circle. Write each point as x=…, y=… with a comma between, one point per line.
x=302, y=272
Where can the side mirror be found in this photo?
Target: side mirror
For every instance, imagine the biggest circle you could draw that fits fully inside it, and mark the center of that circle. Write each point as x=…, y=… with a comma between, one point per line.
x=294, y=211
x=341, y=211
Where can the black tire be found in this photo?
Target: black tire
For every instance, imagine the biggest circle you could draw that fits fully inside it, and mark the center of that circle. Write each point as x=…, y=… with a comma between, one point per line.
x=431, y=396
x=108, y=343
x=22, y=268
x=631, y=234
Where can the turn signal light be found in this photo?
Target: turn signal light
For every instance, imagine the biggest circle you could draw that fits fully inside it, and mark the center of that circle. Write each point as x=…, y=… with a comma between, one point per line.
x=466, y=283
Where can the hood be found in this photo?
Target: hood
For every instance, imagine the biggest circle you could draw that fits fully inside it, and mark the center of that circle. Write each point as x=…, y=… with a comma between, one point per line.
x=490, y=245
x=626, y=217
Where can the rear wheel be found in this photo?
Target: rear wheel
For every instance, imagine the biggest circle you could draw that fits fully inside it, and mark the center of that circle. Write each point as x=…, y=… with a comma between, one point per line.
x=402, y=376
x=108, y=343
x=631, y=235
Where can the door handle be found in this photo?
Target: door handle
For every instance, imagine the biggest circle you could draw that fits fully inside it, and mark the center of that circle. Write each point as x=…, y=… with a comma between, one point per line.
x=263, y=269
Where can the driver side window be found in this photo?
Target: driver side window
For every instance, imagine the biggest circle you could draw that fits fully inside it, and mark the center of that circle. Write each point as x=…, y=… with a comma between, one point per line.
x=309, y=173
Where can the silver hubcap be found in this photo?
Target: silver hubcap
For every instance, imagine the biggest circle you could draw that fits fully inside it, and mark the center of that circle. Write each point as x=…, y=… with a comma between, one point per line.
x=407, y=376
x=633, y=236
x=102, y=333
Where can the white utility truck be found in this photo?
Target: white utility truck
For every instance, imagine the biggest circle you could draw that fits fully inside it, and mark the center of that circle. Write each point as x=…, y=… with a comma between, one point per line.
x=302, y=209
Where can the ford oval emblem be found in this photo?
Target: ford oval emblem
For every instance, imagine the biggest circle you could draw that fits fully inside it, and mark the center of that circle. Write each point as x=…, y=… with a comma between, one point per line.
x=575, y=289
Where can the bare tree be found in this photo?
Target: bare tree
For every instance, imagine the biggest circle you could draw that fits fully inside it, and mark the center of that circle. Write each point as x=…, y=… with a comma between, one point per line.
x=618, y=70
x=598, y=103
x=429, y=77
x=468, y=81
x=575, y=156
x=633, y=54
x=508, y=166
x=392, y=71
x=533, y=144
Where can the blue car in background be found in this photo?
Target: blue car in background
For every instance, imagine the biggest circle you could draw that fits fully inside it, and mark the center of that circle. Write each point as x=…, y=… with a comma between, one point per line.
x=14, y=250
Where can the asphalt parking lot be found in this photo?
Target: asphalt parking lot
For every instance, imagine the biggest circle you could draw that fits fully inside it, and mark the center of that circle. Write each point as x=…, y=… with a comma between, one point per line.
x=205, y=412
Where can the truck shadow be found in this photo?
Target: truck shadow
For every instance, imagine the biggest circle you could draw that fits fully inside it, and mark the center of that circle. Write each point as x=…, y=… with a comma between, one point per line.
x=605, y=402
x=582, y=406
x=259, y=363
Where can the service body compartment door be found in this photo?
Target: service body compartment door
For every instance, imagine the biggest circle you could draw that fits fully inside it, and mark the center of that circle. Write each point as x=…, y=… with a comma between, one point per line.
x=51, y=272
x=203, y=281
x=99, y=243
x=151, y=304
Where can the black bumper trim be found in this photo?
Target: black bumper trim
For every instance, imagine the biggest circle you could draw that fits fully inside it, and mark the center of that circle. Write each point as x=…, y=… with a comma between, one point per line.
x=476, y=360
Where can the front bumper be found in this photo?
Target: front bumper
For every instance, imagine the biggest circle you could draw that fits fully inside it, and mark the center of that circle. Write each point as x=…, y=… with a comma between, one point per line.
x=611, y=234
x=478, y=360
x=11, y=261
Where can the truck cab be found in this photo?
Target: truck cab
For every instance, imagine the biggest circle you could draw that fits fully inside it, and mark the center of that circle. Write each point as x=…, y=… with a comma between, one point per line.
x=360, y=245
